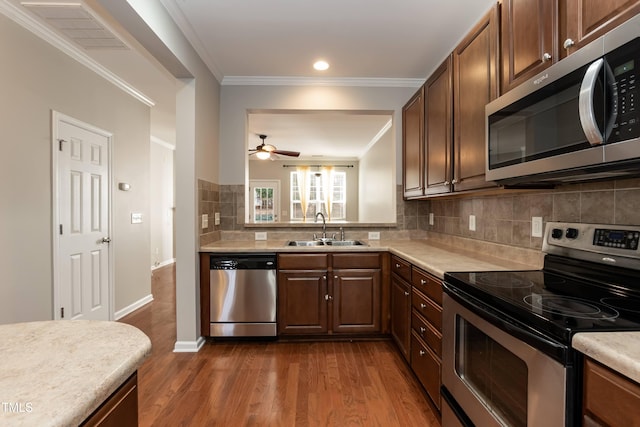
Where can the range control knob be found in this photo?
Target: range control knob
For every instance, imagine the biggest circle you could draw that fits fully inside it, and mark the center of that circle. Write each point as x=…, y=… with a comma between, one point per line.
x=556, y=233
x=572, y=233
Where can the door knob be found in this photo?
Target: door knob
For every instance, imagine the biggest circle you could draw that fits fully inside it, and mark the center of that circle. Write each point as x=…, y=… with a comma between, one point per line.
x=105, y=240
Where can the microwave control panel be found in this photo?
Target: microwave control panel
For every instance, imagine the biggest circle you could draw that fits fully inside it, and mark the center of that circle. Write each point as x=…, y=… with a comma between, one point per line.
x=625, y=67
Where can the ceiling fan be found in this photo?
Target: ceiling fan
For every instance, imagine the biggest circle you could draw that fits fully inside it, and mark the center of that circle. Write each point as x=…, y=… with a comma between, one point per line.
x=264, y=151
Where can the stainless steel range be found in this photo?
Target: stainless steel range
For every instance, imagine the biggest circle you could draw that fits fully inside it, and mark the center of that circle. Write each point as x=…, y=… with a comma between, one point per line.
x=507, y=356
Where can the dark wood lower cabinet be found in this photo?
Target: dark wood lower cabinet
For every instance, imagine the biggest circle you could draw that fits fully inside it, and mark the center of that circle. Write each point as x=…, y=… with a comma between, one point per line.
x=401, y=314
x=120, y=409
x=426, y=366
x=610, y=399
x=321, y=294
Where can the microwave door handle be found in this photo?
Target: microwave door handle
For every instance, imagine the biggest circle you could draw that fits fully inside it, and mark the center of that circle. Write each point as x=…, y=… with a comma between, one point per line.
x=613, y=87
x=585, y=103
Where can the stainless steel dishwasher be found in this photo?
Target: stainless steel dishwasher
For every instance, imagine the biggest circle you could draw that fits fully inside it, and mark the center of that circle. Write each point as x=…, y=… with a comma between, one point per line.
x=243, y=295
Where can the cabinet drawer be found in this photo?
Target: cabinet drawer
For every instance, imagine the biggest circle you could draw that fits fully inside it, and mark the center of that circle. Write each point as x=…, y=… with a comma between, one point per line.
x=303, y=261
x=426, y=366
x=609, y=396
x=427, y=332
x=427, y=308
x=401, y=267
x=357, y=260
x=428, y=284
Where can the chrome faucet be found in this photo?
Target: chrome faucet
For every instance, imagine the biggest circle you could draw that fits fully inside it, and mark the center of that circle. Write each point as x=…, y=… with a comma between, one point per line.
x=324, y=225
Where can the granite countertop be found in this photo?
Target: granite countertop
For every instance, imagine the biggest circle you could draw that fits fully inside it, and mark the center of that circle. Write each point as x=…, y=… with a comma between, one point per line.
x=434, y=257
x=56, y=373
x=619, y=351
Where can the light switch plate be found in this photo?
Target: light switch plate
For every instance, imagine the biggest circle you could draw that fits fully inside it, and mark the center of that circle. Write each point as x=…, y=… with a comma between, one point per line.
x=431, y=218
x=205, y=221
x=261, y=235
x=536, y=226
x=374, y=235
x=472, y=222
x=136, y=218
x=216, y=218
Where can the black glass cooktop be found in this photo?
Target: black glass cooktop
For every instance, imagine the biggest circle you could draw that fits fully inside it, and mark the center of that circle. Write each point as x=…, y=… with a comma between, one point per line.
x=556, y=305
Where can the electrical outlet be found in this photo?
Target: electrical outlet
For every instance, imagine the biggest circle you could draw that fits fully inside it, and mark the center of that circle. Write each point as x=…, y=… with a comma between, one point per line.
x=205, y=221
x=431, y=218
x=216, y=218
x=374, y=235
x=472, y=222
x=261, y=235
x=536, y=226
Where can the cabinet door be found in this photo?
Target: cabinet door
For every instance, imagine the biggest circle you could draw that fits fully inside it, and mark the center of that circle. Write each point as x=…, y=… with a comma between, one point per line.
x=356, y=301
x=302, y=308
x=587, y=20
x=401, y=314
x=413, y=146
x=528, y=39
x=475, y=84
x=437, y=129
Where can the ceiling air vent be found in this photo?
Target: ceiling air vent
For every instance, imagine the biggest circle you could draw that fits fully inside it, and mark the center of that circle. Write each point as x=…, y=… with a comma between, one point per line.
x=77, y=22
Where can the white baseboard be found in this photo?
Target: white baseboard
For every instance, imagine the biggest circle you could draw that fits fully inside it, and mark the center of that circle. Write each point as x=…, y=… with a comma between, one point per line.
x=163, y=263
x=133, y=307
x=189, y=346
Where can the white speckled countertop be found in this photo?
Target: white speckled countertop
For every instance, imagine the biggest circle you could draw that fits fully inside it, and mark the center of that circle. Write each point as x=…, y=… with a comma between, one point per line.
x=56, y=373
x=619, y=351
x=434, y=257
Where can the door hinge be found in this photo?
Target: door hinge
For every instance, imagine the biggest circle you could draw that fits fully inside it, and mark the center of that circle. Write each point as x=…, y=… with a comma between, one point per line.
x=61, y=229
x=60, y=141
x=62, y=312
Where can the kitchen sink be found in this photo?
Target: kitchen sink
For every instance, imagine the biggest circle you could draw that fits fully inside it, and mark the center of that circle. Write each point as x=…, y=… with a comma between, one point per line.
x=346, y=243
x=305, y=243
x=326, y=243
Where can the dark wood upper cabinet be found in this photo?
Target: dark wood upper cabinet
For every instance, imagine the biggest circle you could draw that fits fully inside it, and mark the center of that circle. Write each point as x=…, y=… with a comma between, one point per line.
x=437, y=130
x=475, y=84
x=529, y=39
x=413, y=146
x=538, y=33
x=587, y=20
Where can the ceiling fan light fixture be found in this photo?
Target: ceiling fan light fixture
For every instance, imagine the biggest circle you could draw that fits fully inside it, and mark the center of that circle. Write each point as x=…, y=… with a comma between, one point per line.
x=321, y=65
x=263, y=155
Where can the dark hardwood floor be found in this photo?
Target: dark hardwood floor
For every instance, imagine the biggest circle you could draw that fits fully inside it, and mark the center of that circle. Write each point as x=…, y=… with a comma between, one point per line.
x=269, y=383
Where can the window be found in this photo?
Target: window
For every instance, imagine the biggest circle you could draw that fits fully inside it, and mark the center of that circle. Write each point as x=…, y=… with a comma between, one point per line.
x=319, y=189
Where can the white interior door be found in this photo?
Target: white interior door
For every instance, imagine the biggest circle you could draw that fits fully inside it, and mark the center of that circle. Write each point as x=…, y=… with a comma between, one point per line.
x=82, y=288
x=265, y=200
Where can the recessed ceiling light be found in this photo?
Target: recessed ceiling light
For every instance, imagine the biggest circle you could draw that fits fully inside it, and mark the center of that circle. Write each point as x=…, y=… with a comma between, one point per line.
x=321, y=65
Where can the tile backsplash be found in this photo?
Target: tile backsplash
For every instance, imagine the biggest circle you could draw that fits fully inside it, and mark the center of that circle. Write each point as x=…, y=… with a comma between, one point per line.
x=506, y=218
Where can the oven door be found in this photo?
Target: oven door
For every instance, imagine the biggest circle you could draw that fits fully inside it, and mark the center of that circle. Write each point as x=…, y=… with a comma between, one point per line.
x=495, y=378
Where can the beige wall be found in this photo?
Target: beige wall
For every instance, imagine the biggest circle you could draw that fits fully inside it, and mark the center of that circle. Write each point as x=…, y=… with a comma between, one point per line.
x=376, y=182
x=36, y=78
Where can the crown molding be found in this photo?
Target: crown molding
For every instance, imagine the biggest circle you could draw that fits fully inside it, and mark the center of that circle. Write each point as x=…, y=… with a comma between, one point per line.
x=314, y=81
x=31, y=24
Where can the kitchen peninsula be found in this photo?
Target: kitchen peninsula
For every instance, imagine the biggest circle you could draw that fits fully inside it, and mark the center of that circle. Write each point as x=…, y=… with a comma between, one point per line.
x=62, y=373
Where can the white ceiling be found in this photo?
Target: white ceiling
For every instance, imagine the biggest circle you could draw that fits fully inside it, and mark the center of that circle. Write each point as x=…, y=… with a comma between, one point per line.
x=395, y=42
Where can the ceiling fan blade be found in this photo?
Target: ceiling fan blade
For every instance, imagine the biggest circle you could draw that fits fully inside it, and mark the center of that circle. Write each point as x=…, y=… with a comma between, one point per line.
x=287, y=153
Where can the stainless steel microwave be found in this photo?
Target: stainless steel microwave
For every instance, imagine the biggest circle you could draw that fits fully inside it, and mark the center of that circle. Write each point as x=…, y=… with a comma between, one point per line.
x=577, y=121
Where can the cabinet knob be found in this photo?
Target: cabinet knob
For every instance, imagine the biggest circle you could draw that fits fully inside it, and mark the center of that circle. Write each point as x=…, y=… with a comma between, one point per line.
x=397, y=265
x=422, y=330
x=335, y=277
x=568, y=43
x=423, y=305
x=454, y=181
x=324, y=277
x=422, y=352
x=446, y=183
x=423, y=282
x=406, y=294
x=546, y=57
x=328, y=297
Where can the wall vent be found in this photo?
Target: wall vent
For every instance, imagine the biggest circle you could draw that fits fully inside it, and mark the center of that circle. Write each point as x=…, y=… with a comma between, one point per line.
x=77, y=22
